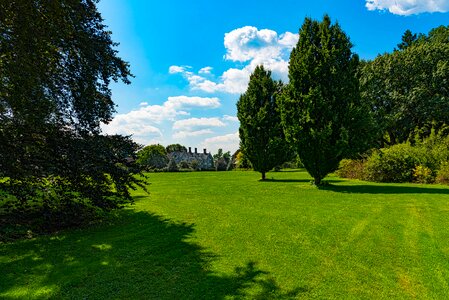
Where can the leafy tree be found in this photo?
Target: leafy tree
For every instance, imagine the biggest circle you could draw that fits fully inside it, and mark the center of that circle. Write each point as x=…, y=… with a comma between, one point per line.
x=408, y=90
x=153, y=157
x=321, y=111
x=175, y=148
x=261, y=136
x=56, y=63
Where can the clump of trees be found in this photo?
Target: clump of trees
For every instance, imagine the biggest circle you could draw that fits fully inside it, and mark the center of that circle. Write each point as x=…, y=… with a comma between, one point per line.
x=319, y=113
x=336, y=108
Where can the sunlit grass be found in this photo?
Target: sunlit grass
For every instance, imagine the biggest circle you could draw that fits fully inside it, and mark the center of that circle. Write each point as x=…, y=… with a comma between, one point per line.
x=218, y=235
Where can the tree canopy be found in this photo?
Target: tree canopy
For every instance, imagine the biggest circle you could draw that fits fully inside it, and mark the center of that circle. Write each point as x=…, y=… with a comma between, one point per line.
x=408, y=90
x=322, y=115
x=261, y=137
x=153, y=157
x=56, y=63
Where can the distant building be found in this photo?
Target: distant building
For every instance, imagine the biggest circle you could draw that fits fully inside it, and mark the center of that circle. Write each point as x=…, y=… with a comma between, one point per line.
x=204, y=159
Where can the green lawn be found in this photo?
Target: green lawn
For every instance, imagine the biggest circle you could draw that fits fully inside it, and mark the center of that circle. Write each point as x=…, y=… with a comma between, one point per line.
x=215, y=235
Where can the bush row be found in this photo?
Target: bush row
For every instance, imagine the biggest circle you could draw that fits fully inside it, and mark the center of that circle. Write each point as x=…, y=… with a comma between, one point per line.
x=426, y=161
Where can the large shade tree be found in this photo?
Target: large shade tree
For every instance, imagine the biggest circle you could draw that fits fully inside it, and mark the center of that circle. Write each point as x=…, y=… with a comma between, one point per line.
x=56, y=63
x=321, y=111
x=408, y=90
x=261, y=136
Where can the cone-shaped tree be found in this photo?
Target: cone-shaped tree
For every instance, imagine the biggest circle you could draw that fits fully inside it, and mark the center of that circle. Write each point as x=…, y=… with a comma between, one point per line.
x=261, y=136
x=321, y=112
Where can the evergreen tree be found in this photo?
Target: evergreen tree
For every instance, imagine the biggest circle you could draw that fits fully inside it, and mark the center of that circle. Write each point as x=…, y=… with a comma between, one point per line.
x=261, y=136
x=321, y=109
x=408, y=39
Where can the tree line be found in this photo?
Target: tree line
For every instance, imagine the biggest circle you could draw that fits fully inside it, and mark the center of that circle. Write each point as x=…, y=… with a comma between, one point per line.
x=336, y=106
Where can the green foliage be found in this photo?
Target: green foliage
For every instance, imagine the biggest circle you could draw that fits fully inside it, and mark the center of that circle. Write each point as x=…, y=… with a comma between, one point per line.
x=352, y=168
x=322, y=115
x=396, y=163
x=443, y=174
x=175, y=148
x=408, y=90
x=184, y=165
x=194, y=165
x=408, y=39
x=242, y=162
x=56, y=63
x=172, y=166
x=153, y=157
x=261, y=136
x=221, y=164
x=423, y=174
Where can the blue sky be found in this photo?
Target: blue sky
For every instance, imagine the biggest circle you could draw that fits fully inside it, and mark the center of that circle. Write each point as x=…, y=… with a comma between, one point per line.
x=192, y=59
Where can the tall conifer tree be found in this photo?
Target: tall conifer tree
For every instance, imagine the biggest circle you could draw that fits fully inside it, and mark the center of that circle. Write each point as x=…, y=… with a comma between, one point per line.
x=321, y=111
x=261, y=136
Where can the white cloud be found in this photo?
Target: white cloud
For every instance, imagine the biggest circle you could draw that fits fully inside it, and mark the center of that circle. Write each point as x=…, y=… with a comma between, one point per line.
x=143, y=104
x=196, y=123
x=144, y=123
x=179, y=102
x=205, y=70
x=176, y=69
x=408, y=7
x=230, y=118
x=251, y=46
x=186, y=134
x=228, y=142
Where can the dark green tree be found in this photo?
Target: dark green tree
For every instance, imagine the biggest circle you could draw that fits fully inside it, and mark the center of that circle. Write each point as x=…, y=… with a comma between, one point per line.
x=408, y=90
x=56, y=63
x=153, y=157
x=408, y=38
x=322, y=115
x=261, y=137
x=176, y=148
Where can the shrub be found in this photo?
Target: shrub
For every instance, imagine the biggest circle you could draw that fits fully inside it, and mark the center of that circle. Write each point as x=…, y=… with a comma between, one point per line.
x=195, y=165
x=423, y=174
x=352, y=168
x=184, y=165
x=221, y=164
x=443, y=173
x=172, y=166
x=394, y=164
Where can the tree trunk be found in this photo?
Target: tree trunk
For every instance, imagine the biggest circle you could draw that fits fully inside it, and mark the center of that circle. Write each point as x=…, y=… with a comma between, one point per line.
x=263, y=175
x=317, y=181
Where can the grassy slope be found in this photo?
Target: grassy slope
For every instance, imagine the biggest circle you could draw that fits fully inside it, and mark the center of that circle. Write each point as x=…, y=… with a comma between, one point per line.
x=226, y=235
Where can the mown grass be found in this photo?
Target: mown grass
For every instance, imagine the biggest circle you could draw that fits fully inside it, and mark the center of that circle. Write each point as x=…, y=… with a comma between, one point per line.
x=226, y=235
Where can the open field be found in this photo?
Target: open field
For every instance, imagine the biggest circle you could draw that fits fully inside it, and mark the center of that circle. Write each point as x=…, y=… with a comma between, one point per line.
x=215, y=235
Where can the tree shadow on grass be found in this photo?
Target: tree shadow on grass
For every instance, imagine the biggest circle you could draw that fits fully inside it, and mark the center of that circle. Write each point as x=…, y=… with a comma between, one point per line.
x=297, y=180
x=136, y=256
x=384, y=189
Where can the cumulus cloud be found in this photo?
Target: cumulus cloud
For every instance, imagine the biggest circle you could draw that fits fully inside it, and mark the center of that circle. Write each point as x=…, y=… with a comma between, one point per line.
x=143, y=104
x=195, y=123
x=252, y=47
x=230, y=118
x=408, y=7
x=144, y=123
x=178, y=69
x=205, y=70
x=186, y=134
x=227, y=142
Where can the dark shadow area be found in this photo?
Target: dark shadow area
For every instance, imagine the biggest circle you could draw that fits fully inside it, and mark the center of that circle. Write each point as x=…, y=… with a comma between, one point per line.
x=384, y=189
x=134, y=256
x=298, y=180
